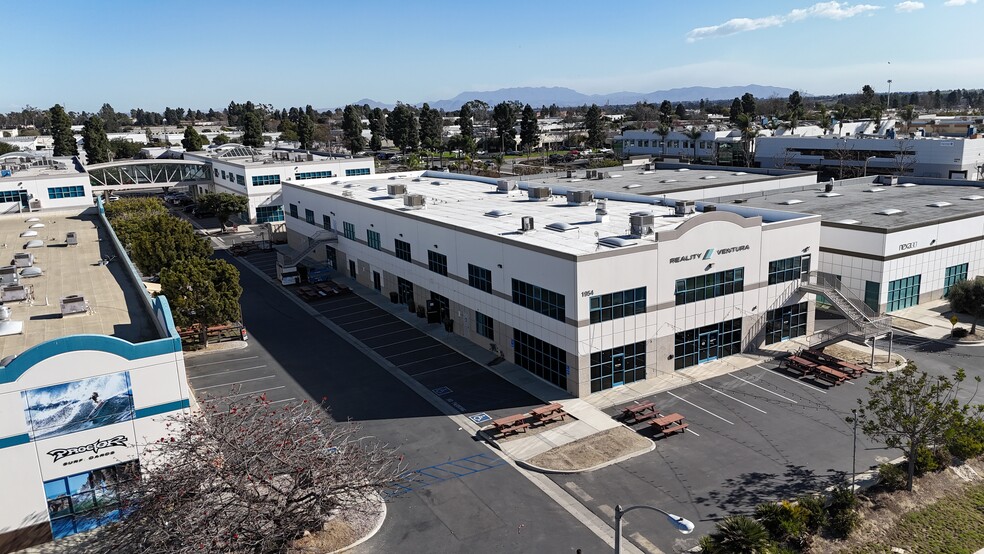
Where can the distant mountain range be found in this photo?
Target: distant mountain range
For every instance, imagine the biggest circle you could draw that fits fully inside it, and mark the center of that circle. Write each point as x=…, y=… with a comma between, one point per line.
x=564, y=97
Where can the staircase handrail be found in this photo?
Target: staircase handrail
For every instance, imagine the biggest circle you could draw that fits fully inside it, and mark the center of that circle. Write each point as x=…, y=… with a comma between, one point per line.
x=321, y=237
x=831, y=282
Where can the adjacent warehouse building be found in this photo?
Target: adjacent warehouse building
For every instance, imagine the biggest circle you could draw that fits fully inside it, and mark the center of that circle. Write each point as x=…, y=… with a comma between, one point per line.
x=31, y=181
x=90, y=366
x=588, y=290
x=258, y=174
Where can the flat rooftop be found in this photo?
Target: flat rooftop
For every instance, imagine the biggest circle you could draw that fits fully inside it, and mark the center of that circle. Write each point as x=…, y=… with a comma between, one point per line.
x=26, y=164
x=654, y=182
x=480, y=208
x=858, y=204
x=114, y=307
x=247, y=156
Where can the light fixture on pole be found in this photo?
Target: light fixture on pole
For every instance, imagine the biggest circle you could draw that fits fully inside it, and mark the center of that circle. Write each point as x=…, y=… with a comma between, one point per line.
x=889, y=93
x=682, y=525
x=866, y=160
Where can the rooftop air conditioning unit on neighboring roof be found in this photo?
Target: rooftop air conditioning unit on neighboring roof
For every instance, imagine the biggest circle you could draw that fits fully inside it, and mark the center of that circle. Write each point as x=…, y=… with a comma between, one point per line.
x=73, y=305
x=579, y=197
x=642, y=224
x=23, y=259
x=396, y=191
x=683, y=207
x=503, y=185
x=414, y=201
x=539, y=193
x=527, y=223
x=8, y=275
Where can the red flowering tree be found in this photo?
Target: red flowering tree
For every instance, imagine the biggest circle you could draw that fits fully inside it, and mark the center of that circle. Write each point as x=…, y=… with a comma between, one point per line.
x=248, y=477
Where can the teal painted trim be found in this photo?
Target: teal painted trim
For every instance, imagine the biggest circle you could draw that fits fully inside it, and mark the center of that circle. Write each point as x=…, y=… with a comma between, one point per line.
x=162, y=308
x=162, y=408
x=102, y=343
x=15, y=440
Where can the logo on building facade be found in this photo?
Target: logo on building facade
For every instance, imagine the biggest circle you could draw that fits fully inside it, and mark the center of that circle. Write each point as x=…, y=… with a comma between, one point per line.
x=93, y=447
x=709, y=253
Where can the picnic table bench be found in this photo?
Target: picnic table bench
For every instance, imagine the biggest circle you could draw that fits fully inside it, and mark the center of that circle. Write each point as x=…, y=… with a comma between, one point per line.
x=340, y=287
x=802, y=365
x=852, y=370
x=307, y=292
x=637, y=413
x=830, y=375
x=509, y=425
x=669, y=424
x=548, y=413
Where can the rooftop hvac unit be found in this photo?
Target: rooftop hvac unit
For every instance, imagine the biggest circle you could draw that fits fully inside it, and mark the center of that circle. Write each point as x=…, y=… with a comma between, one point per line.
x=8, y=275
x=503, y=185
x=570, y=174
x=710, y=208
x=73, y=305
x=590, y=174
x=396, y=191
x=642, y=225
x=13, y=293
x=889, y=180
x=684, y=207
x=23, y=259
x=579, y=197
x=527, y=223
x=539, y=193
x=829, y=187
x=601, y=174
x=647, y=167
x=414, y=201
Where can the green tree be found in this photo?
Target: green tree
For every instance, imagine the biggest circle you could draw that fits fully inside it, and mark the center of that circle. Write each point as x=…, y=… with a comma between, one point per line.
x=735, y=110
x=162, y=240
x=795, y=107
x=223, y=204
x=909, y=409
x=504, y=116
x=95, y=141
x=287, y=130
x=305, y=131
x=465, y=123
x=61, y=132
x=694, y=133
x=113, y=121
x=593, y=125
x=737, y=535
x=252, y=130
x=867, y=95
x=377, y=126
x=6, y=148
x=680, y=111
x=529, y=129
x=431, y=127
x=748, y=103
x=124, y=149
x=404, y=127
x=202, y=291
x=352, y=129
x=666, y=111
x=663, y=130
x=192, y=141
x=907, y=114
x=221, y=139
x=967, y=297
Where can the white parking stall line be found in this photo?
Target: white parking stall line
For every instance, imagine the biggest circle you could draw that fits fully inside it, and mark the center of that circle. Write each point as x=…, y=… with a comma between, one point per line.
x=439, y=369
x=691, y=432
x=448, y=353
x=235, y=383
x=362, y=319
x=765, y=389
x=342, y=325
x=390, y=333
x=731, y=397
x=699, y=408
x=415, y=339
x=253, y=392
x=227, y=371
x=402, y=353
x=346, y=308
x=222, y=362
x=807, y=385
x=284, y=400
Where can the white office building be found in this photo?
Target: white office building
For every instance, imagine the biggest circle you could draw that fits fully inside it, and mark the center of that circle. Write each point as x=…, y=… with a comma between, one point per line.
x=90, y=365
x=259, y=174
x=32, y=181
x=587, y=289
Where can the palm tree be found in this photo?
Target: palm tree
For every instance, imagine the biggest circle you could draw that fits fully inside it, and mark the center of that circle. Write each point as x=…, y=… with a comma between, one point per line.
x=841, y=112
x=826, y=122
x=663, y=130
x=694, y=134
x=908, y=114
x=748, y=134
x=737, y=534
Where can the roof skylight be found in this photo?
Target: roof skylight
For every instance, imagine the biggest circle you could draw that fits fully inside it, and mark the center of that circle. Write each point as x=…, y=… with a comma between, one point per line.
x=616, y=242
x=497, y=213
x=829, y=194
x=940, y=204
x=889, y=211
x=561, y=226
x=791, y=201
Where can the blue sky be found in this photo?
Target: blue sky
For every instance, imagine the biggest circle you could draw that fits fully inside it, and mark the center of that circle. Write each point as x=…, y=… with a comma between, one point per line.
x=203, y=54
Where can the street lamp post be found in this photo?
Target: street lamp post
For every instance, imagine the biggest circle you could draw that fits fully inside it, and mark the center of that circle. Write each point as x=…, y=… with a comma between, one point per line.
x=866, y=160
x=854, y=449
x=682, y=525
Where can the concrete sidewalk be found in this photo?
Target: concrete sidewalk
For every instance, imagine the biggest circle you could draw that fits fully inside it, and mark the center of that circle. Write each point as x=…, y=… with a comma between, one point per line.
x=932, y=321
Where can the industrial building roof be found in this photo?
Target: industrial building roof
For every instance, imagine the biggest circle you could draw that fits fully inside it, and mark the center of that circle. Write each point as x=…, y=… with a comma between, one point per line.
x=36, y=165
x=113, y=305
x=864, y=203
x=480, y=207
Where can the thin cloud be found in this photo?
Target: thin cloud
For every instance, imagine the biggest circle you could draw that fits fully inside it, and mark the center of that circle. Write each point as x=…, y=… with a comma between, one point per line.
x=954, y=3
x=909, y=6
x=821, y=10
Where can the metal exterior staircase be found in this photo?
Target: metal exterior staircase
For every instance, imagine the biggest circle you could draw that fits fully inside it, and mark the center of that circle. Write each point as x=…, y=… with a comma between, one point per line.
x=321, y=238
x=864, y=321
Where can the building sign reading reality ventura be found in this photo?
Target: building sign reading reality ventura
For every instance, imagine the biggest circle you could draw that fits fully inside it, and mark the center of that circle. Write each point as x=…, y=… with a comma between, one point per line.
x=709, y=253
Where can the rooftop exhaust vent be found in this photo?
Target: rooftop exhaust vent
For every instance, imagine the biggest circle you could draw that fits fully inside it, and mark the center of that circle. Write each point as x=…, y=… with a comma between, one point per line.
x=616, y=242
x=73, y=305
x=683, y=207
x=527, y=224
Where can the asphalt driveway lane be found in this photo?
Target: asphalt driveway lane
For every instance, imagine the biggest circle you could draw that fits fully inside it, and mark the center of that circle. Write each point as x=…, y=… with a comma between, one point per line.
x=494, y=510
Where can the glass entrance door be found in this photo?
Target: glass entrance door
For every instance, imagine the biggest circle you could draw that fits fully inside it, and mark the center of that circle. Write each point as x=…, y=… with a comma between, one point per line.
x=707, y=347
x=618, y=370
x=377, y=281
x=405, y=289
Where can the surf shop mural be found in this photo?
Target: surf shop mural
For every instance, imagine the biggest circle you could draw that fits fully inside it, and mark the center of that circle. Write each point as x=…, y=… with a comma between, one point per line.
x=57, y=410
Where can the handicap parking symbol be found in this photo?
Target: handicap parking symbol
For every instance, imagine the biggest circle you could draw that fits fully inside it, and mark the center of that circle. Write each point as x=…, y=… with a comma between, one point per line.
x=480, y=417
x=442, y=391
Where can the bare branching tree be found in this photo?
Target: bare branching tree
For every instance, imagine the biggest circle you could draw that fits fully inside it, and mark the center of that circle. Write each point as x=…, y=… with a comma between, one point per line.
x=905, y=157
x=842, y=154
x=248, y=477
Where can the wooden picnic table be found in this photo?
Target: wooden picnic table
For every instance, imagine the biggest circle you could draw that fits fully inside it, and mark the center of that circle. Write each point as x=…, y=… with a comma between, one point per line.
x=548, y=413
x=669, y=424
x=854, y=370
x=511, y=424
x=831, y=375
x=802, y=361
x=637, y=413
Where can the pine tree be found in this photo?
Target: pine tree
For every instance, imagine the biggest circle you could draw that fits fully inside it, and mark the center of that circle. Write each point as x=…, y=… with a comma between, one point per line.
x=95, y=140
x=192, y=141
x=352, y=129
x=529, y=129
x=61, y=132
x=592, y=123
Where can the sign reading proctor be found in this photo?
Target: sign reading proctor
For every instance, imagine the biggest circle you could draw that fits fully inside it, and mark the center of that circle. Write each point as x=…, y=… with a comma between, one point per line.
x=708, y=254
